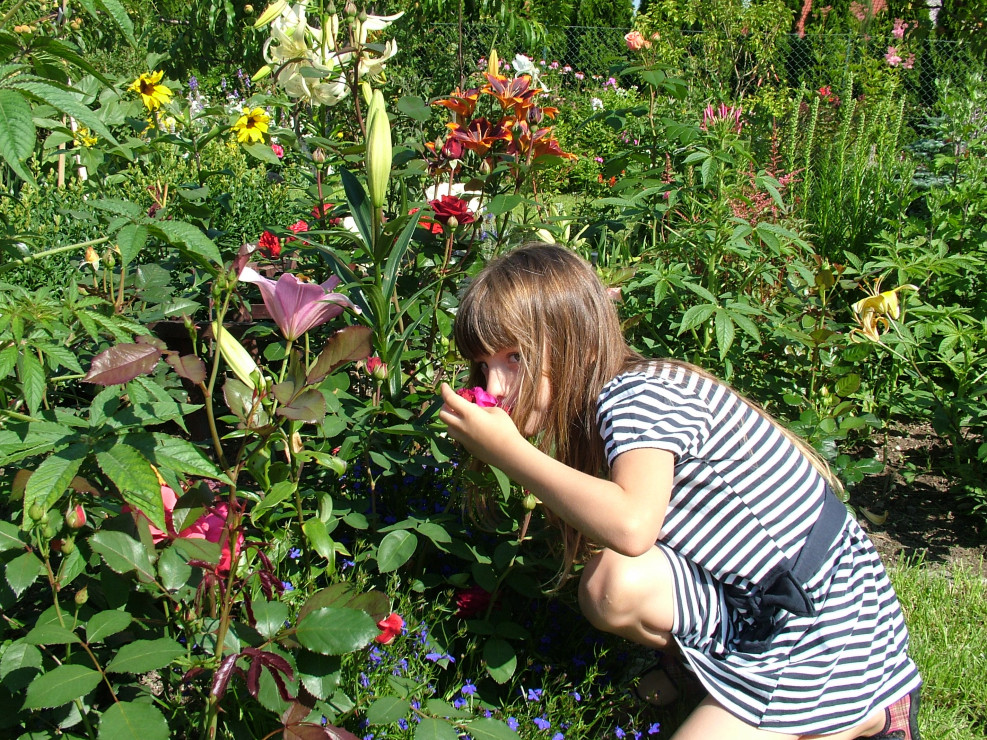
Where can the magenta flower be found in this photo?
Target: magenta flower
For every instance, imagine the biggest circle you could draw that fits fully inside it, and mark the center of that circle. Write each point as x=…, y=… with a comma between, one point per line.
x=295, y=305
x=479, y=396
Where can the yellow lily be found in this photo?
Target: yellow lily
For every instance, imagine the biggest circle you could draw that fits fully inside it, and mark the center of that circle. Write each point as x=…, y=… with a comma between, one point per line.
x=873, y=311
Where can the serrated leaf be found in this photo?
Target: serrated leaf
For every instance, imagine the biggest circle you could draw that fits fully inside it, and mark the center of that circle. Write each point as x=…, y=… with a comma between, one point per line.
x=17, y=132
x=65, y=102
x=8, y=360
x=848, y=384
x=60, y=686
x=131, y=473
x=106, y=623
x=32, y=377
x=188, y=237
x=122, y=363
x=175, y=453
x=123, y=553
x=319, y=674
x=51, y=634
x=335, y=631
x=133, y=721
x=145, y=655
x=173, y=569
x=725, y=332
x=346, y=345
x=131, y=239
x=190, y=367
x=22, y=571
x=20, y=663
x=53, y=476
x=269, y=617
x=395, y=550
x=10, y=537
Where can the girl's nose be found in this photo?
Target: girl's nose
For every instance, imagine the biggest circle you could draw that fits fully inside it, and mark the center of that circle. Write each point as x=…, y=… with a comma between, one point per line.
x=497, y=383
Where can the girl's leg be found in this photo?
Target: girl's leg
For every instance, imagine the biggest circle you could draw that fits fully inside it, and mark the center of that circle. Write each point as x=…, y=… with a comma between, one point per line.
x=630, y=597
x=710, y=721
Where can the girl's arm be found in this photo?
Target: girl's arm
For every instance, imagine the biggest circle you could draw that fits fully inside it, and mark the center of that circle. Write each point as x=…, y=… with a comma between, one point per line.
x=624, y=514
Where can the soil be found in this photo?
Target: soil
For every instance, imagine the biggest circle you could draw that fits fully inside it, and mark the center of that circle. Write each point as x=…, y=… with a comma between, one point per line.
x=925, y=516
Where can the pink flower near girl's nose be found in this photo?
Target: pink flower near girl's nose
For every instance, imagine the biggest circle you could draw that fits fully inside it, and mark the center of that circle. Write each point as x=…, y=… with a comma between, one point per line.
x=479, y=396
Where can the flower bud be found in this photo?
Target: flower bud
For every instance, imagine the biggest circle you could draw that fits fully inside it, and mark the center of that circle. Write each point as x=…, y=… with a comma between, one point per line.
x=350, y=8
x=82, y=596
x=452, y=222
x=273, y=11
x=530, y=502
x=319, y=155
x=377, y=368
x=493, y=64
x=36, y=512
x=75, y=517
x=248, y=9
x=239, y=360
x=363, y=16
x=378, y=149
x=67, y=547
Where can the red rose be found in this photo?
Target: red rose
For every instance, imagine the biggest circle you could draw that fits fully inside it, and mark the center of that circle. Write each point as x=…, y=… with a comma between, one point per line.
x=449, y=206
x=269, y=244
x=390, y=627
x=472, y=602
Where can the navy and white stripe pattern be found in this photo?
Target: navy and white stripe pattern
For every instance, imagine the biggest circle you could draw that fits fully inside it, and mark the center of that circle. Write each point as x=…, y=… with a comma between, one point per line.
x=743, y=501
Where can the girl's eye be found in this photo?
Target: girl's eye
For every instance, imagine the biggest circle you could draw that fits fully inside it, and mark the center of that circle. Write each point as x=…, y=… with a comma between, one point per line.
x=514, y=357
x=481, y=366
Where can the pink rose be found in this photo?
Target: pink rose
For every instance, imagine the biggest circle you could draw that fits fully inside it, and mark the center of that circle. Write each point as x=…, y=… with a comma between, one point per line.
x=635, y=41
x=479, y=396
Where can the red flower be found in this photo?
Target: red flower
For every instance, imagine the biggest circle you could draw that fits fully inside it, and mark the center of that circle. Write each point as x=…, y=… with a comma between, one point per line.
x=278, y=150
x=390, y=627
x=297, y=228
x=449, y=206
x=269, y=244
x=472, y=602
x=377, y=368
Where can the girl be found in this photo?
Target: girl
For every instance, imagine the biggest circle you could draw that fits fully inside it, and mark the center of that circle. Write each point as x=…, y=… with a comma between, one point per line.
x=714, y=530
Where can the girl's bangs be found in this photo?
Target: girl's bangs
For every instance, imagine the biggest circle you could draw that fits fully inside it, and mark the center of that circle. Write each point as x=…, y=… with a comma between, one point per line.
x=484, y=326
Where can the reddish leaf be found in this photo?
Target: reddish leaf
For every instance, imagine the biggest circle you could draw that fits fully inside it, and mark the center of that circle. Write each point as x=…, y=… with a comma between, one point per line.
x=309, y=405
x=297, y=712
x=189, y=367
x=122, y=363
x=346, y=345
x=223, y=675
x=151, y=341
x=307, y=731
x=338, y=733
x=253, y=677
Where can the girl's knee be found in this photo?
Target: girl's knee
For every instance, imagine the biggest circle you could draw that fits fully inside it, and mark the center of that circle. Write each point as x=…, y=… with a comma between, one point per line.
x=621, y=594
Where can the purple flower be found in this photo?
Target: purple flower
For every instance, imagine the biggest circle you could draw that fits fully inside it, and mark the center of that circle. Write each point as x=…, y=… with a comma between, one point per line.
x=288, y=585
x=403, y=723
x=619, y=733
x=297, y=306
x=558, y=736
x=534, y=694
x=468, y=689
x=459, y=702
x=294, y=553
x=542, y=723
x=654, y=729
x=512, y=723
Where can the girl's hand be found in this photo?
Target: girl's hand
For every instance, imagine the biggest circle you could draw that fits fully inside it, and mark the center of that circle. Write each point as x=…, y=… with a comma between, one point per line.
x=486, y=432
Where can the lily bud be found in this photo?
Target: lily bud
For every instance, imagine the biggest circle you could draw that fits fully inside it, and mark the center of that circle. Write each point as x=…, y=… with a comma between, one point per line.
x=378, y=149
x=239, y=360
x=493, y=63
x=75, y=517
x=261, y=73
x=273, y=11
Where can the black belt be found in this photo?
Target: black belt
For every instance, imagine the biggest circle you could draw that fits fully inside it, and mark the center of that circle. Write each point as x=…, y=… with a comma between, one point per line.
x=782, y=588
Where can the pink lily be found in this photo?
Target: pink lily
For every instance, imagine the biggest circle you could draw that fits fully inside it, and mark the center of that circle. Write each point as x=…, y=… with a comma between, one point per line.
x=295, y=305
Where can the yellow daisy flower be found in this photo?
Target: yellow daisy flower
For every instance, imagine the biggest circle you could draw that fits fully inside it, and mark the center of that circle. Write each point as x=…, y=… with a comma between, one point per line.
x=251, y=126
x=151, y=91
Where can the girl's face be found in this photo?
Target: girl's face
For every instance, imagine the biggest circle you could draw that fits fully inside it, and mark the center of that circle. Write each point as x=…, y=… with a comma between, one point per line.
x=502, y=372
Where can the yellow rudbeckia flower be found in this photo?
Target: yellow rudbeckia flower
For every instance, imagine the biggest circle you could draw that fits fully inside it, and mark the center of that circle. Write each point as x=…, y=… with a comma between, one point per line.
x=152, y=92
x=251, y=126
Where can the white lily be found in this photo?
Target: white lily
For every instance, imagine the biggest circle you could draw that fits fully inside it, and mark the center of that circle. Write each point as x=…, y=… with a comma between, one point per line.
x=374, y=23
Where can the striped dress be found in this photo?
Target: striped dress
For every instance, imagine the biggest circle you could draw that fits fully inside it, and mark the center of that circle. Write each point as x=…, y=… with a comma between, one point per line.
x=743, y=501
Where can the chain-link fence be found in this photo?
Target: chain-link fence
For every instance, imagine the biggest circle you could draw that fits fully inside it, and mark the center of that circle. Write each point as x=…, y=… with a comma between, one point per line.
x=715, y=66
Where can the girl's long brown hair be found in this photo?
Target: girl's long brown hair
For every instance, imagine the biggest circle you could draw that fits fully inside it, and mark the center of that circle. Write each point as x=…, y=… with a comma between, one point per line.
x=548, y=302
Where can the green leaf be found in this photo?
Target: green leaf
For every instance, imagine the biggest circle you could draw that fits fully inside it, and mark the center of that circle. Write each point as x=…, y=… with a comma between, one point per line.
x=848, y=384
x=188, y=237
x=20, y=663
x=122, y=553
x=145, y=655
x=32, y=377
x=318, y=536
x=132, y=474
x=133, y=721
x=60, y=686
x=503, y=203
x=335, y=631
x=17, y=132
x=435, y=729
x=175, y=453
x=270, y=617
x=47, y=484
x=447, y=710
x=319, y=674
x=395, y=550
x=725, y=332
x=359, y=204
x=263, y=152
x=10, y=537
x=695, y=316
x=486, y=728
x=102, y=625
x=131, y=239
x=65, y=102
x=51, y=634
x=386, y=710
x=119, y=15
x=500, y=659
x=22, y=571
x=434, y=532
x=414, y=107
x=173, y=568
